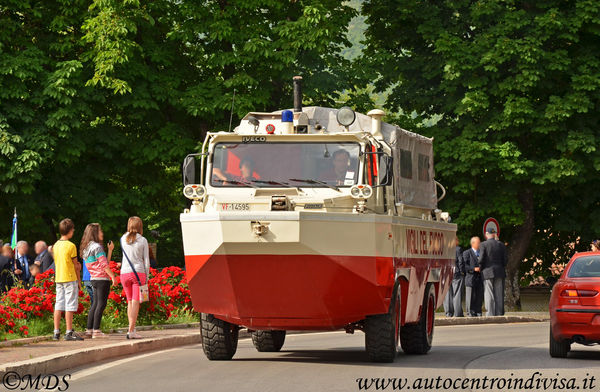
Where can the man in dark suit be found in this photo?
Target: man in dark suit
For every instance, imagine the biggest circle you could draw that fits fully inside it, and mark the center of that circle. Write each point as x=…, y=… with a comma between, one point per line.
x=44, y=259
x=22, y=262
x=493, y=258
x=453, y=300
x=473, y=280
x=5, y=270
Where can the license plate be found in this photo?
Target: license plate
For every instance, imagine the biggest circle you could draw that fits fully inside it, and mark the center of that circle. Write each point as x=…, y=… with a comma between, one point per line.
x=235, y=207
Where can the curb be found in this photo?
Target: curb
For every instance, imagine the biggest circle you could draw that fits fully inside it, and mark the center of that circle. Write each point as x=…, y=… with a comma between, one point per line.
x=438, y=322
x=51, y=364
x=489, y=320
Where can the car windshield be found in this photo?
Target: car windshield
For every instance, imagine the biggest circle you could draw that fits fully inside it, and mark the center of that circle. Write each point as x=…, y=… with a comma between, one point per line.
x=585, y=267
x=297, y=164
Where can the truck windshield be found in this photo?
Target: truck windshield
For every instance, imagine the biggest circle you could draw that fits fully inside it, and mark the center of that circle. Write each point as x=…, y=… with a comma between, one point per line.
x=285, y=164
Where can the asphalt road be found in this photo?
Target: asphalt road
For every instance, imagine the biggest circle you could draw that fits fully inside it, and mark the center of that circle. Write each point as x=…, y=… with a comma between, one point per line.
x=334, y=361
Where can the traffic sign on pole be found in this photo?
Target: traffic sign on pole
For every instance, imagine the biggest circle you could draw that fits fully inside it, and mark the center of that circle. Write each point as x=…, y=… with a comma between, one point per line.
x=491, y=223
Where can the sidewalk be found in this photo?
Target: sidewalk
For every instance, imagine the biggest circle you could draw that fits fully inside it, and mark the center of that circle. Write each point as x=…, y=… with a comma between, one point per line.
x=26, y=351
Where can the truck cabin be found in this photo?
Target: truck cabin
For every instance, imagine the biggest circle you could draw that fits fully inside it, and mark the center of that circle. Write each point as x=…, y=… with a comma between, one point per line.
x=319, y=153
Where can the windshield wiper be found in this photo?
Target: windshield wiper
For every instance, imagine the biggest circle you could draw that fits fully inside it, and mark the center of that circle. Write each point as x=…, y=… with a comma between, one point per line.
x=238, y=182
x=271, y=182
x=313, y=181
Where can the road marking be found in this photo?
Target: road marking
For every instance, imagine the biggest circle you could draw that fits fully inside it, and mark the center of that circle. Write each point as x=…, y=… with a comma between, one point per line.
x=86, y=372
x=99, y=368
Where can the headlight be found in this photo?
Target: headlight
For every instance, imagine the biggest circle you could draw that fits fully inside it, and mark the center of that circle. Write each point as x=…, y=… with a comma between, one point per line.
x=345, y=116
x=188, y=192
x=194, y=191
x=361, y=191
x=367, y=191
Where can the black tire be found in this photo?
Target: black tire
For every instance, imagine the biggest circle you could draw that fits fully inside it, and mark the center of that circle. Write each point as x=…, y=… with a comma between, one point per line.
x=559, y=348
x=268, y=341
x=417, y=338
x=382, y=333
x=219, y=338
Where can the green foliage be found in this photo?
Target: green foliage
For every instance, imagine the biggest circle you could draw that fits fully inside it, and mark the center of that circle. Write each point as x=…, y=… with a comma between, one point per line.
x=101, y=100
x=183, y=317
x=515, y=87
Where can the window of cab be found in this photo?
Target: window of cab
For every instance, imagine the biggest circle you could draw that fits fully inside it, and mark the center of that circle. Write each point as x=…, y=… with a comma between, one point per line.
x=285, y=164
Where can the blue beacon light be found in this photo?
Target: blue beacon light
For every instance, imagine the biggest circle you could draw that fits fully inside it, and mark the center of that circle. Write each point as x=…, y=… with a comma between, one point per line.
x=287, y=116
x=287, y=122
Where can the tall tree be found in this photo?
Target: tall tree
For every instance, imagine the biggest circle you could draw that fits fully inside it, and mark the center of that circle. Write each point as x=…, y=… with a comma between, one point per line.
x=101, y=100
x=514, y=91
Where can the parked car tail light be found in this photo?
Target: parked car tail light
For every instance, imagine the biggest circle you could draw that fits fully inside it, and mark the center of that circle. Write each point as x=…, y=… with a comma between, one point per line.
x=578, y=293
x=569, y=293
x=587, y=293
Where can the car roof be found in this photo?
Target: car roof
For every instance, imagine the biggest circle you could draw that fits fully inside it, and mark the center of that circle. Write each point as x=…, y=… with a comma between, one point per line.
x=588, y=253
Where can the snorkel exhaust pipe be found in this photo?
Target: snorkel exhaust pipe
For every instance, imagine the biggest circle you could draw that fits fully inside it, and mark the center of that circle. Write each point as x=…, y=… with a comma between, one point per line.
x=297, y=94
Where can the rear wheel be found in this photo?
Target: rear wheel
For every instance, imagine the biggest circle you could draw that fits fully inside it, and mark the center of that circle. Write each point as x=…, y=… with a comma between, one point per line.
x=219, y=338
x=417, y=338
x=382, y=333
x=268, y=341
x=559, y=348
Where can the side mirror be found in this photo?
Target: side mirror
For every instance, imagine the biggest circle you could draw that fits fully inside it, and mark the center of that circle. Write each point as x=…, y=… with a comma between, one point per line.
x=551, y=280
x=189, y=170
x=386, y=171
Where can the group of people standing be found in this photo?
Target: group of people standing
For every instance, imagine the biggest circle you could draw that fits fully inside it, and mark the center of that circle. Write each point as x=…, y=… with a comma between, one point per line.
x=68, y=279
x=480, y=272
x=94, y=273
x=20, y=267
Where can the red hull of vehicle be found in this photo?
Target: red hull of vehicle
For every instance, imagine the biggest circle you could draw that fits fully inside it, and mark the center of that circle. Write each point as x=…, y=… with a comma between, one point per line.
x=305, y=291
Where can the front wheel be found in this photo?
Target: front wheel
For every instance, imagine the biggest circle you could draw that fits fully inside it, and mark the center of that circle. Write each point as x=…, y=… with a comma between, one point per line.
x=559, y=348
x=268, y=341
x=382, y=333
x=219, y=338
x=417, y=338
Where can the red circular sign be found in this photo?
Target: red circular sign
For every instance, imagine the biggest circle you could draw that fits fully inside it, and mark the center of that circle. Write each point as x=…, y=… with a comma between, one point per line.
x=270, y=128
x=491, y=223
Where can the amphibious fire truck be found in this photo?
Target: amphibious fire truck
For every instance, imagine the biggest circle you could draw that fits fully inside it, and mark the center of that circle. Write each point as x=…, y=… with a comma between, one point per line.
x=316, y=219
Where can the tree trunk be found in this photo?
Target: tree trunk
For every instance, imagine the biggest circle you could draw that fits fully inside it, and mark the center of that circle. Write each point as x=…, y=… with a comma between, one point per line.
x=517, y=250
x=51, y=229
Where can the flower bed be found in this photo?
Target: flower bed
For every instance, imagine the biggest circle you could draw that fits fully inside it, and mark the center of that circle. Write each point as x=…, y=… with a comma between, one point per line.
x=21, y=309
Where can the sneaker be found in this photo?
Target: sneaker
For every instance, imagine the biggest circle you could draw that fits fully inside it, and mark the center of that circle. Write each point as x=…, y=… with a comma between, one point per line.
x=88, y=333
x=72, y=336
x=56, y=336
x=134, y=335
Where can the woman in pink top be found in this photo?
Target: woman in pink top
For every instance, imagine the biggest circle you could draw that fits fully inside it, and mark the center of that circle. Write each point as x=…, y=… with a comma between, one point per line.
x=92, y=253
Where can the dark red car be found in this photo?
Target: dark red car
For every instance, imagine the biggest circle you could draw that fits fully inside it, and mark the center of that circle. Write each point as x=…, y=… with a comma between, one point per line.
x=575, y=305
